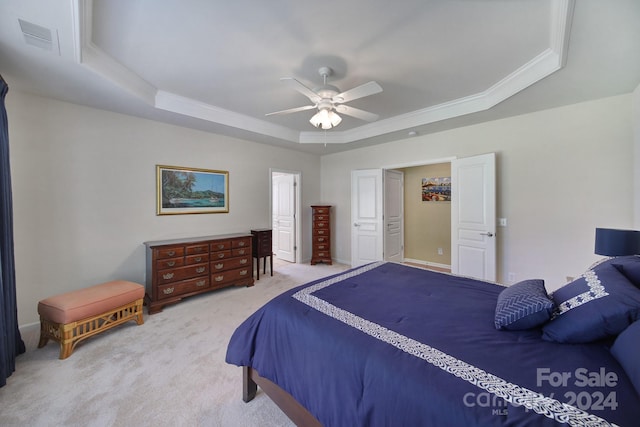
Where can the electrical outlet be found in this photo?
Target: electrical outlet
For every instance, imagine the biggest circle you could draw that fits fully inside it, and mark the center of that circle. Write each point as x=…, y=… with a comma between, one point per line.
x=502, y=222
x=440, y=251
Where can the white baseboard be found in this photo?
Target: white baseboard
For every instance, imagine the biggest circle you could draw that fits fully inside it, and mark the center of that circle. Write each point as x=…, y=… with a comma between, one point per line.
x=427, y=263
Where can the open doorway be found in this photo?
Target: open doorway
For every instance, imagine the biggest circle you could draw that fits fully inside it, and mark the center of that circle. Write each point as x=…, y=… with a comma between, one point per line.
x=285, y=205
x=427, y=218
x=472, y=215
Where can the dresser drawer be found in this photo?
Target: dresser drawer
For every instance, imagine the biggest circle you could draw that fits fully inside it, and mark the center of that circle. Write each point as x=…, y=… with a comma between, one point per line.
x=220, y=245
x=229, y=264
x=224, y=277
x=321, y=224
x=320, y=239
x=265, y=244
x=219, y=255
x=321, y=232
x=240, y=251
x=322, y=254
x=169, y=252
x=183, y=287
x=244, y=242
x=321, y=217
x=196, y=259
x=320, y=247
x=320, y=211
x=163, y=264
x=197, y=249
x=177, y=274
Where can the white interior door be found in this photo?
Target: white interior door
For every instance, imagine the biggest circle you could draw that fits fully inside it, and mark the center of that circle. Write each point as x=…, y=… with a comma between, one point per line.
x=366, y=216
x=393, y=216
x=473, y=217
x=283, y=235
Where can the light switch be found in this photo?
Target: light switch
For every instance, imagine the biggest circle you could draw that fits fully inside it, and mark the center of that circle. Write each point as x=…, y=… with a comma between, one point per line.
x=502, y=222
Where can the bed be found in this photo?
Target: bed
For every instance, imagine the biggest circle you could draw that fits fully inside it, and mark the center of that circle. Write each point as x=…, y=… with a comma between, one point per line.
x=387, y=344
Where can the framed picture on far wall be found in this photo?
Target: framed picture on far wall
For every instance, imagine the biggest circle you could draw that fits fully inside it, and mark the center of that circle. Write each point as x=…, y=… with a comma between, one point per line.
x=182, y=190
x=436, y=189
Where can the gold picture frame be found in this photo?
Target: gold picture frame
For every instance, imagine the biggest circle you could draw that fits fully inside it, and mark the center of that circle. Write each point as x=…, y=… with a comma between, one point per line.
x=186, y=190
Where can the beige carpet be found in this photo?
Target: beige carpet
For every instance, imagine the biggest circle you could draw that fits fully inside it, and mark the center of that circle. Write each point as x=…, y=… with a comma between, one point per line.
x=168, y=372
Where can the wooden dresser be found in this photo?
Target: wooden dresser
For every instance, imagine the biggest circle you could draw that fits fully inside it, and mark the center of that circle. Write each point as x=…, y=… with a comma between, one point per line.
x=180, y=268
x=321, y=232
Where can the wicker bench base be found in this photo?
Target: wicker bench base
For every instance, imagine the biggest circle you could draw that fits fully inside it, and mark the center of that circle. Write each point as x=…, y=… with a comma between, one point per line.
x=70, y=334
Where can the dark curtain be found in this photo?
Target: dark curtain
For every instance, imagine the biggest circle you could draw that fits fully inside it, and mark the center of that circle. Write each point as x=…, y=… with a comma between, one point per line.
x=11, y=343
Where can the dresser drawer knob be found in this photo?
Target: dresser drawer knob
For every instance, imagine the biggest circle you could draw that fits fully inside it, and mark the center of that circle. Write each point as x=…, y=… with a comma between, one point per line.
x=168, y=291
x=320, y=231
x=240, y=243
x=200, y=269
x=198, y=259
x=220, y=246
x=171, y=253
x=243, y=261
x=201, y=283
x=220, y=255
x=167, y=276
x=241, y=251
x=171, y=263
x=321, y=239
x=243, y=272
x=218, y=266
x=219, y=278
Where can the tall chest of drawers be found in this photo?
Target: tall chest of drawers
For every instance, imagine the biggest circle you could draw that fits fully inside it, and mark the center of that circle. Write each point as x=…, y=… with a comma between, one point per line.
x=180, y=268
x=321, y=234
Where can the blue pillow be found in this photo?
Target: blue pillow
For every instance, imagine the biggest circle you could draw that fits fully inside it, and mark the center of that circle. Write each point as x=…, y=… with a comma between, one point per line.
x=523, y=305
x=598, y=304
x=629, y=266
x=626, y=349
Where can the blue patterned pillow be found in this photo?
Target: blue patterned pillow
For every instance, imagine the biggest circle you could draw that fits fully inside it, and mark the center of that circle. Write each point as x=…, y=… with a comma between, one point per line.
x=626, y=349
x=600, y=303
x=523, y=305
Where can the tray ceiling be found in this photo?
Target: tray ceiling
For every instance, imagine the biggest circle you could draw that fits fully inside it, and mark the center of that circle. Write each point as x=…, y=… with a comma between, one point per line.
x=216, y=66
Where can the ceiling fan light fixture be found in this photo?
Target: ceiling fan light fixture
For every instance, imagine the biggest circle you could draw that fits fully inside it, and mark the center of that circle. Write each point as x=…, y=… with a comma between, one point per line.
x=325, y=119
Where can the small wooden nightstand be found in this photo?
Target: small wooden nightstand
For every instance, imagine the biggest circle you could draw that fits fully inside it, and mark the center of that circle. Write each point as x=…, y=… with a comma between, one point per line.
x=262, y=248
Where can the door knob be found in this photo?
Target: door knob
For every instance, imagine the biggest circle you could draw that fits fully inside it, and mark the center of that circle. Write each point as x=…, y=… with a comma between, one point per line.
x=488, y=233
x=355, y=224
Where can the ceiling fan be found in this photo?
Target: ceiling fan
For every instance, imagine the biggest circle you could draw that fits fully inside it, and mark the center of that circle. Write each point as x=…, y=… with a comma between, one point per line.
x=329, y=101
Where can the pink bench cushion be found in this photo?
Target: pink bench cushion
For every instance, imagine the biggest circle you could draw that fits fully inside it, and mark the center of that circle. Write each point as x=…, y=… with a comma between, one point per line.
x=88, y=302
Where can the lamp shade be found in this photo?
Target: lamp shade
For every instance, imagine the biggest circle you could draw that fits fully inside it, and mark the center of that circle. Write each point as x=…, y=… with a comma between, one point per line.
x=613, y=242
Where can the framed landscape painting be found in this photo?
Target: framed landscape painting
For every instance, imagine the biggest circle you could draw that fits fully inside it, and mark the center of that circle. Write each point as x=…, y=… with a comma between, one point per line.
x=436, y=189
x=181, y=190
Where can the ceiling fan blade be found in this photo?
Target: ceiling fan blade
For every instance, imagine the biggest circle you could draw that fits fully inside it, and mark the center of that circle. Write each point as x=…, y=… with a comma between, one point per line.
x=292, y=110
x=357, y=113
x=361, y=91
x=301, y=88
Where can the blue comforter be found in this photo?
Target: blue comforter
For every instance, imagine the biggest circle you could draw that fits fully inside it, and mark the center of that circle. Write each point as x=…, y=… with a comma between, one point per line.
x=391, y=345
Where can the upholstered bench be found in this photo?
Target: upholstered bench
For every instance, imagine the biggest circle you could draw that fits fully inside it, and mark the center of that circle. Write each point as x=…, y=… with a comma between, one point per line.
x=74, y=316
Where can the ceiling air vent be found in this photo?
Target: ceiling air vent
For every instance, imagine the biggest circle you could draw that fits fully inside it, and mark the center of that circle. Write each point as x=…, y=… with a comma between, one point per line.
x=38, y=36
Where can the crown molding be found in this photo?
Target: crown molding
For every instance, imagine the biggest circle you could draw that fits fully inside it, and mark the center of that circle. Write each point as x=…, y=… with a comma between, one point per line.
x=539, y=67
x=201, y=110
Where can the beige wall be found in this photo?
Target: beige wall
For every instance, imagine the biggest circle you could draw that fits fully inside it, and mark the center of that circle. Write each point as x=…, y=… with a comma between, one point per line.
x=560, y=174
x=427, y=224
x=84, y=192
